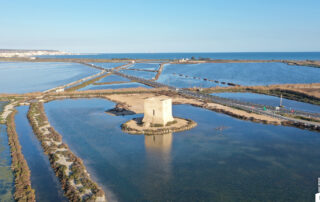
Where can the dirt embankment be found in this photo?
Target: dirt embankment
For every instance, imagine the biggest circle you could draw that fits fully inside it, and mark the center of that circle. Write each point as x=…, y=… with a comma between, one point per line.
x=135, y=103
x=23, y=190
x=73, y=176
x=309, y=93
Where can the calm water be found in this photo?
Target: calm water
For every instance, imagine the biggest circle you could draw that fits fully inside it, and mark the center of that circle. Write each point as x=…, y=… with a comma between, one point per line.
x=6, y=175
x=23, y=77
x=141, y=74
x=109, y=65
x=248, y=55
x=112, y=78
x=43, y=179
x=146, y=66
x=270, y=100
x=270, y=163
x=114, y=86
x=244, y=73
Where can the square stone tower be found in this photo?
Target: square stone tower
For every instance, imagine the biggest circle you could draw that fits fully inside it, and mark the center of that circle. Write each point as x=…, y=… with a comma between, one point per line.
x=157, y=110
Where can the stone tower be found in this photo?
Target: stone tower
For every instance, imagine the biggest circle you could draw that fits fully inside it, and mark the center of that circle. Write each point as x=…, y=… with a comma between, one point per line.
x=157, y=110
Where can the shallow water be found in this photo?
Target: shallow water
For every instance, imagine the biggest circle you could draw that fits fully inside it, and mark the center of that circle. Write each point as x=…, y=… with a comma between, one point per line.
x=43, y=179
x=6, y=175
x=271, y=101
x=146, y=66
x=114, y=86
x=112, y=78
x=186, y=82
x=23, y=77
x=244, y=73
x=141, y=74
x=109, y=65
x=271, y=163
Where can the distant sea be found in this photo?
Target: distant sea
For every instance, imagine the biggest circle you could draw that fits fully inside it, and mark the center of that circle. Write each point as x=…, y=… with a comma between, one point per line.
x=238, y=55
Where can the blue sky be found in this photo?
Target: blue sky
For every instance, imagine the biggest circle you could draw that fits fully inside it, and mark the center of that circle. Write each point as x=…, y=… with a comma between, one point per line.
x=161, y=26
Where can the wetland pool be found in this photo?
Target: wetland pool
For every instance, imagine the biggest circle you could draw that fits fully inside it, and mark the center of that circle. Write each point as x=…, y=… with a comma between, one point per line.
x=25, y=77
x=271, y=101
x=245, y=161
x=242, y=73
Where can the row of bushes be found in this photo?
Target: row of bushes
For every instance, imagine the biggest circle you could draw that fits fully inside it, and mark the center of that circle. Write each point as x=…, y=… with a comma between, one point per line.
x=78, y=172
x=86, y=83
x=23, y=189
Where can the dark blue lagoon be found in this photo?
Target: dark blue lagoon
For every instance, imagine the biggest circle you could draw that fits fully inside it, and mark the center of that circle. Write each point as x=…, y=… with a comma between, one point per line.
x=244, y=162
x=43, y=179
x=114, y=86
x=6, y=175
x=232, y=56
x=271, y=101
x=244, y=73
x=24, y=77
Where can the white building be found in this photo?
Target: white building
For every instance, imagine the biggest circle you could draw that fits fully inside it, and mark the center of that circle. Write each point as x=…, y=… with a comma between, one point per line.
x=157, y=110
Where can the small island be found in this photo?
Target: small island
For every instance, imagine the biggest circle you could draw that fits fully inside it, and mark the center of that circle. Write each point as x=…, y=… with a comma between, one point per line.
x=158, y=119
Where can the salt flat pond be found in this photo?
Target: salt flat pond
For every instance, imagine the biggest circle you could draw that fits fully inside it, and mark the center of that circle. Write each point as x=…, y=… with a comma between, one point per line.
x=113, y=78
x=243, y=161
x=145, y=66
x=239, y=73
x=271, y=101
x=141, y=74
x=6, y=175
x=24, y=77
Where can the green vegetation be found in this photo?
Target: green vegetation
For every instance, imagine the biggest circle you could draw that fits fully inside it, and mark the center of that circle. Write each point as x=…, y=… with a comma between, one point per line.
x=288, y=94
x=156, y=125
x=6, y=175
x=171, y=123
x=86, y=83
x=23, y=189
x=78, y=174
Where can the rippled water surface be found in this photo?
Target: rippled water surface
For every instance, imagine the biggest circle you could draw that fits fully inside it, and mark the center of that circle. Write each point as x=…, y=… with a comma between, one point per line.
x=242, y=73
x=243, y=161
x=24, y=77
x=271, y=101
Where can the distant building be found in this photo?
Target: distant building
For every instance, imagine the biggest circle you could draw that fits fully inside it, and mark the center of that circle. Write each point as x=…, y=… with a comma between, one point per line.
x=59, y=90
x=157, y=110
x=184, y=60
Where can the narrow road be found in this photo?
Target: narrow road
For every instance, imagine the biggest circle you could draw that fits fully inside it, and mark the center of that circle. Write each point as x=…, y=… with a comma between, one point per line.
x=246, y=106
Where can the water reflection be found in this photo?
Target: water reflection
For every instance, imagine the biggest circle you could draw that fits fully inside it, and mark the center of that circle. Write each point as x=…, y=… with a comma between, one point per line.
x=158, y=160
